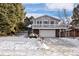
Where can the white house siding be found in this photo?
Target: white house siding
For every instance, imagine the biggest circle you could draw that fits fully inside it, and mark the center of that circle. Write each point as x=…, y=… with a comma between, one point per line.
x=47, y=29
x=47, y=33
x=45, y=18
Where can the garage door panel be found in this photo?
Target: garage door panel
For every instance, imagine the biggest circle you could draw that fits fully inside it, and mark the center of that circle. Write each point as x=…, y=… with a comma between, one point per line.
x=47, y=33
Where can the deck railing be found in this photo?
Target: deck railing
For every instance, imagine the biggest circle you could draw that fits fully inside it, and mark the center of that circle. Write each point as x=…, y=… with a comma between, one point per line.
x=52, y=26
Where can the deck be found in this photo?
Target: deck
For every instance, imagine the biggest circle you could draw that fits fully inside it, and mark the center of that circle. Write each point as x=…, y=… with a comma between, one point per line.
x=54, y=26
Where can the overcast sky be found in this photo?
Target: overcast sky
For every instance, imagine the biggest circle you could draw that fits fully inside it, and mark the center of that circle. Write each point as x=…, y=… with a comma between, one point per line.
x=55, y=9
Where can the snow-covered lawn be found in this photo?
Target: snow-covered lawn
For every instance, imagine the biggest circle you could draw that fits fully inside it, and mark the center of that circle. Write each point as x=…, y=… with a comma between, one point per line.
x=20, y=45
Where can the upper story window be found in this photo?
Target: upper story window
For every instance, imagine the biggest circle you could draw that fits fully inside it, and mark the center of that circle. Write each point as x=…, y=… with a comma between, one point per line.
x=45, y=22
x=52, y=22
x=39, y=22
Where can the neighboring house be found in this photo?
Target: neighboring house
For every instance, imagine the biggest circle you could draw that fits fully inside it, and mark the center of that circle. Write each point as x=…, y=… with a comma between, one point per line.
x=74, y=29
x=47, y=26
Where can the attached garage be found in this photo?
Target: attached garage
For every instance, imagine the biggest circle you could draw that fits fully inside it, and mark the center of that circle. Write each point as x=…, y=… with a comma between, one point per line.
x=47, y=33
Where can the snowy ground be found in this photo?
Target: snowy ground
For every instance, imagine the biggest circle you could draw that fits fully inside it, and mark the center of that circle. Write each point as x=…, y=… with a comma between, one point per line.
x=20, y=45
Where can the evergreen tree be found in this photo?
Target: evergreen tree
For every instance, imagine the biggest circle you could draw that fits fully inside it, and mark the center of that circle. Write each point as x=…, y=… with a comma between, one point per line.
x=11, y=15
x=75, y=16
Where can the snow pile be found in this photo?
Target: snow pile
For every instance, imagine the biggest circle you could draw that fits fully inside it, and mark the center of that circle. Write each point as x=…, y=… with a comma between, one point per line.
x=20, y=45
x=73, y=41
x=30, y=43
x=35, y=44
x=67, y=42
x=44, y=46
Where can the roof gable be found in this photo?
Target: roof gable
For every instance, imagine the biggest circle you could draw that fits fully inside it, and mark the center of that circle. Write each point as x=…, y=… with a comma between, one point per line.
x=46, y=16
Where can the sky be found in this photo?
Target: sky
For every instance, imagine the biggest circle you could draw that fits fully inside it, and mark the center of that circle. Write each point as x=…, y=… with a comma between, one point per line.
x=50, y=9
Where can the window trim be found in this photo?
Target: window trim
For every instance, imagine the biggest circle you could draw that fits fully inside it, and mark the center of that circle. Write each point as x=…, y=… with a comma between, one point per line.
x=51, y=22
x=39, y=22
x=45, y=22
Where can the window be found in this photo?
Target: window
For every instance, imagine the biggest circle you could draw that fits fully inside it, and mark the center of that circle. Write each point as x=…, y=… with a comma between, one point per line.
x=52, y=22
x=39, y=22
x=45, y=22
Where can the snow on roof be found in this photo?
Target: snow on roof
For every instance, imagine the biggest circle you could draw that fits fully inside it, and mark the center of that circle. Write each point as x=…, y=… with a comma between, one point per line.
x=61, y=22
x=29, y=26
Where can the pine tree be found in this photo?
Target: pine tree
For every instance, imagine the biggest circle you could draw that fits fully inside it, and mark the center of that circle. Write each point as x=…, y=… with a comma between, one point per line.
x=75, y=16
x=11, y=15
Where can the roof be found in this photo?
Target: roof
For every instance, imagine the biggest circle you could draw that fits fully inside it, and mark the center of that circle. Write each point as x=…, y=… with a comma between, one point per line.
x=48, y=17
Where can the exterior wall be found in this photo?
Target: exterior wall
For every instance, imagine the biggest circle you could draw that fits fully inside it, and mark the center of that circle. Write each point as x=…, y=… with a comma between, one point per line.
x=45, y=19
x=47, y=33
x=74, y=33
x=60, y=33
x=49, y=29
x=50, y=32
x=52, y=23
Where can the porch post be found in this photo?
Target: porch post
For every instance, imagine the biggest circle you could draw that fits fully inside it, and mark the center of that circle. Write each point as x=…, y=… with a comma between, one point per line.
x=65, y=33
x=69, y=33
x=74, y=33
x=59, y=32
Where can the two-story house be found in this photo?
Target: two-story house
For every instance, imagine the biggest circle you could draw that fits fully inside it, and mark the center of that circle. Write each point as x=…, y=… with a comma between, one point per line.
x=47, y=26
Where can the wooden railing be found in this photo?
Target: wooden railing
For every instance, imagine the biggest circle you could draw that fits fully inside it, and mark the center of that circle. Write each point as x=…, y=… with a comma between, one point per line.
x=48, y=26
